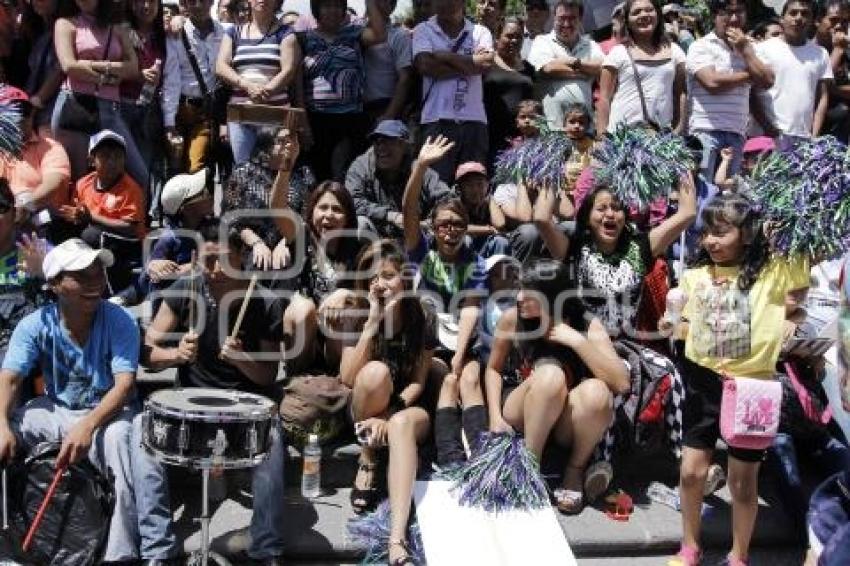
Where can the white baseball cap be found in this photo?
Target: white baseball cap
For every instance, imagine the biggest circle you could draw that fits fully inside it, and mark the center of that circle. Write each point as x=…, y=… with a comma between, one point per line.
x=104, y=136
x=181, y=188
x=73, y=255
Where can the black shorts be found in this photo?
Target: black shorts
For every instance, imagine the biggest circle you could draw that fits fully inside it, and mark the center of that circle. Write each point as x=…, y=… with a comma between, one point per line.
x=701, y=411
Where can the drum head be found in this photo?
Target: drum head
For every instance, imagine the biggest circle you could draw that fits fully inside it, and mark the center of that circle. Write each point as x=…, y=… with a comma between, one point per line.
x=204, y=400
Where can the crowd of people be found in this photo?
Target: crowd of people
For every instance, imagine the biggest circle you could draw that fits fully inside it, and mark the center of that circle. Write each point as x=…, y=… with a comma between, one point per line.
x=443, y=302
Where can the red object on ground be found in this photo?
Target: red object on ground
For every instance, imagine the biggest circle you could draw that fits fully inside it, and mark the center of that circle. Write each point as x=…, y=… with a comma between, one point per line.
x=40, y=514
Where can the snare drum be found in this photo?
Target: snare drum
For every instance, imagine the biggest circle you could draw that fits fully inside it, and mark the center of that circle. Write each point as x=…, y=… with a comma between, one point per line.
x=206, y=428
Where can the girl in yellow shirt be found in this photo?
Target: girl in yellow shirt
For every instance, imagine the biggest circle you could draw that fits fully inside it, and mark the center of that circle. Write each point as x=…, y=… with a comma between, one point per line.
x=735, y=309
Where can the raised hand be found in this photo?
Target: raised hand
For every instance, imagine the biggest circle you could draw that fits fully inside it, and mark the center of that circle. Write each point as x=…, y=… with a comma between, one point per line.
x=434, y=150
x=544, y=204
x=32, y=250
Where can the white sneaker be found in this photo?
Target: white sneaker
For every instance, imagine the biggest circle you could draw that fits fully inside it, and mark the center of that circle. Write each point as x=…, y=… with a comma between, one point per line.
x=715, y=479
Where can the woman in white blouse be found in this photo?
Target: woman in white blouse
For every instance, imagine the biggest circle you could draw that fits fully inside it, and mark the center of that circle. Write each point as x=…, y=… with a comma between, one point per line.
x=645, y=61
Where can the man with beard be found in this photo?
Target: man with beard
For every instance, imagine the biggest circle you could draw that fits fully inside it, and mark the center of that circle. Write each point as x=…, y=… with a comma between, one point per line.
x=722, y=66
x=377, y=179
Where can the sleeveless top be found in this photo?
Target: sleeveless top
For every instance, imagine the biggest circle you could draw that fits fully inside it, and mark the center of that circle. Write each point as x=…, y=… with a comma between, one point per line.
x=89, y=45
x=258, y=61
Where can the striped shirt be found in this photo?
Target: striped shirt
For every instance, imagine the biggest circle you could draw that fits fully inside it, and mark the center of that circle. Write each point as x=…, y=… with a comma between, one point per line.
x=258, y=61
x=333, y=71
x=727, y=111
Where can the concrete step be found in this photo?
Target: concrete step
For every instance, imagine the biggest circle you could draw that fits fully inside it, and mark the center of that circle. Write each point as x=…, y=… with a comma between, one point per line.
x=316, y=530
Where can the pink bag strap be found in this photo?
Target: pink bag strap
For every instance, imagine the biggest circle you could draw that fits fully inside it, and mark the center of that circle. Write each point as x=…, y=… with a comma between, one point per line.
x=806, y=398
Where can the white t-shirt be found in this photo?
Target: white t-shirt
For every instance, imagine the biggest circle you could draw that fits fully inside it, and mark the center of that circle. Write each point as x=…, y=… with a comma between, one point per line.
x=458, y=98
x=798, y=69
x=561, y=92
x=656, y=79
x=727, y=111
x=383, y=62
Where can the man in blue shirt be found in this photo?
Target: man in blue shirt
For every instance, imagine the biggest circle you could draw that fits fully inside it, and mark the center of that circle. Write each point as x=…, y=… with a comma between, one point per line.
x=87, y=350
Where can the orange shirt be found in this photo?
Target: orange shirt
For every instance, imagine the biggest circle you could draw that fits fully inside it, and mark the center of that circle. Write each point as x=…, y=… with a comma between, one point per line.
x=124, y=201
x=41, y=155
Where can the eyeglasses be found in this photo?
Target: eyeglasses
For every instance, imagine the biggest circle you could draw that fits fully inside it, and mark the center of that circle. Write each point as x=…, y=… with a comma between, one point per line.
x=445, y=226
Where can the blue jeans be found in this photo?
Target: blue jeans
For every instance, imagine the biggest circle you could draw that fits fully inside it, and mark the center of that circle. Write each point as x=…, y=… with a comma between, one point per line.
x=154, y=510
x=76, y=143
x=243, y=137
x=712, y=143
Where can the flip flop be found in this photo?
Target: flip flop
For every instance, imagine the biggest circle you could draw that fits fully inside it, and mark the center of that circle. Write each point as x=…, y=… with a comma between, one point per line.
x=568, y=501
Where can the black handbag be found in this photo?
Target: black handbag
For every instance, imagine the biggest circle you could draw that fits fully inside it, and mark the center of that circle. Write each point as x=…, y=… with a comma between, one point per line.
x=79, y=111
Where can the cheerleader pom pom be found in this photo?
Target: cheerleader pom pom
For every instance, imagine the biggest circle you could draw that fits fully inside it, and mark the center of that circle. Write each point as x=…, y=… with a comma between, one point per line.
x=372, y=531
x=541, y=160
x=11, y=134
x=804, y=193
x=639, y=165
x=502, y=475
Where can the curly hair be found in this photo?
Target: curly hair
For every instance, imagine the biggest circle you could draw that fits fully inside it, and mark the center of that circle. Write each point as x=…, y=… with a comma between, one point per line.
x=740, y=212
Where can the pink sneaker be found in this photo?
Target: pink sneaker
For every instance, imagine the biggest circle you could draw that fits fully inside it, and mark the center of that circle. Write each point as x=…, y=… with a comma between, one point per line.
x=687, y=556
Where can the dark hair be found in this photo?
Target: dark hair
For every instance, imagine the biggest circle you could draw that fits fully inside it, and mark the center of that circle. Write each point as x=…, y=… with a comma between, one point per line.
x=715, y=6
x=550, y=278
x=822, y=8
x=105, y=15
x=658, y=37
x=569, y=5
x=413, y=313
x=33, y=25
x=577, y=108
x=209, y=230
x=454, y=204
x=583, y=222
x=316, y=4
x=509, y=20
x=341, y=194
x=810, y=3
x=534, y=105
x=7, y=198
x=157, y=29
x=760, y=31
x=738, y=211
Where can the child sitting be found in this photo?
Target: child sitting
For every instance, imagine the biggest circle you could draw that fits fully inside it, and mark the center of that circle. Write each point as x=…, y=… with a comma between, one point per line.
x=502, y=283
x=754, y=149
x=485, y=217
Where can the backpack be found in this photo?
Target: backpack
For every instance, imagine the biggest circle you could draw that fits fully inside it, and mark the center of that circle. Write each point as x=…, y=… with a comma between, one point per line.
x=75, y=527
x=647, y=419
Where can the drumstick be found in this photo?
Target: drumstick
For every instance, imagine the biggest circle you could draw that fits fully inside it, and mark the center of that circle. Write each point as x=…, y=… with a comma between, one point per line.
x=5, y=504
x=244, y=307
x=40, y=514
x=192, y=297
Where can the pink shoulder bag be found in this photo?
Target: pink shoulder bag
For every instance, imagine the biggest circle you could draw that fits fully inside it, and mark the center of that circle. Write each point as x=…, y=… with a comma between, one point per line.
x=750, y=412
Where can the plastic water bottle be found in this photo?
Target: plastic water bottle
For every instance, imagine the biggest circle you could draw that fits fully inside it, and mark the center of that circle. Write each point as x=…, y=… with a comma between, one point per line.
x=660, y=493
x=148, y=89
x=311, y=477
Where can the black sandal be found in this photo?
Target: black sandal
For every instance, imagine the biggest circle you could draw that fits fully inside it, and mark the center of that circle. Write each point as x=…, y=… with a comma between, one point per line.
x=366, y=498
x=405, y=560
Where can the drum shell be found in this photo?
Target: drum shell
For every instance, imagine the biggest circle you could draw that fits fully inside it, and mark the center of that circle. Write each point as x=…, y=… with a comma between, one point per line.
x=163, y=433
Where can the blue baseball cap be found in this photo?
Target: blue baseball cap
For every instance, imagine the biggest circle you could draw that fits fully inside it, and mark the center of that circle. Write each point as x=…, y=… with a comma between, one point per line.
x=390, y=129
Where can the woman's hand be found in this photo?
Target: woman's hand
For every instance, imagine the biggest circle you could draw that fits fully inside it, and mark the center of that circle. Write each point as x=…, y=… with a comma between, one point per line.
x=153, y=73
x=280, y=255
x=289, y=150
x=564, y=334
x=262, y=255
x=372, y=432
